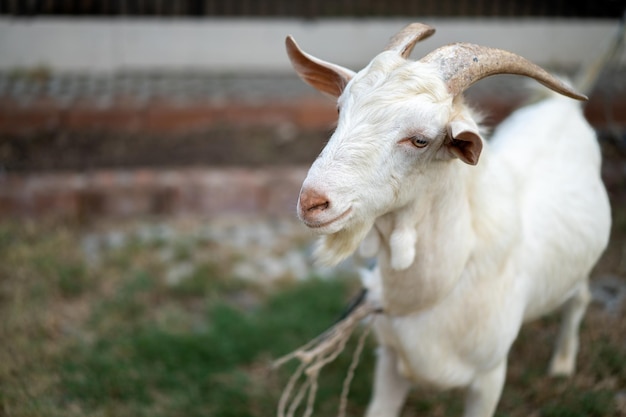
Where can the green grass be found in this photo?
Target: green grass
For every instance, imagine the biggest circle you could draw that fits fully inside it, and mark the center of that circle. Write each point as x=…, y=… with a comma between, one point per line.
x=149, y=367
x=581, y=404
x=116, y=339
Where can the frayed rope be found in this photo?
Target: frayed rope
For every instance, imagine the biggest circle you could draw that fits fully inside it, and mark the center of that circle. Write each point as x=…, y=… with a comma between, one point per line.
x=316, y=354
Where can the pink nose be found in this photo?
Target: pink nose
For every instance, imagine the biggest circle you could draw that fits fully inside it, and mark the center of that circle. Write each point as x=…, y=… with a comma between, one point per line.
x=312, y=203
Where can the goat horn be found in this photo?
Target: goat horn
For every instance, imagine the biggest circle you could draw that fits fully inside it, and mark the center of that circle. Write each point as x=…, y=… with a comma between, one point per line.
x=404, y=41
x=463, y=64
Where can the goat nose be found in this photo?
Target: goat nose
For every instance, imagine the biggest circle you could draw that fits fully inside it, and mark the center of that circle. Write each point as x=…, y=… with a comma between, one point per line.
x=311, y=201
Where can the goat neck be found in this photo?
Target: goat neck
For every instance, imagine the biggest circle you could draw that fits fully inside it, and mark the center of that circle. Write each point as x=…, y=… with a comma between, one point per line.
x=413, y=233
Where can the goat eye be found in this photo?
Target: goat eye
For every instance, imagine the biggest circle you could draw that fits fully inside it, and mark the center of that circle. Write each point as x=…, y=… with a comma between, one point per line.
x=418, y=141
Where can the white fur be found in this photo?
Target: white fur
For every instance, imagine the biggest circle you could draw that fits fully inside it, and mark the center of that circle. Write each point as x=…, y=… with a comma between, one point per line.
x=466, y=254
x=370, y=246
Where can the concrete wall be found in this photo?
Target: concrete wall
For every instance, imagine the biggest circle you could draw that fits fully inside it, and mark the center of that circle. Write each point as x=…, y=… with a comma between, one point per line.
x=253, y=45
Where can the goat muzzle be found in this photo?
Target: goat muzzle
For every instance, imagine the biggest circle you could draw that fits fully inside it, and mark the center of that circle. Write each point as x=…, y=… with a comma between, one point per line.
x=311, y=205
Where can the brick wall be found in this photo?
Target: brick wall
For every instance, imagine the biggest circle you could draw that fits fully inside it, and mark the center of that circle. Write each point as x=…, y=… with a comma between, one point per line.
x=144, y=192
x=293, y=114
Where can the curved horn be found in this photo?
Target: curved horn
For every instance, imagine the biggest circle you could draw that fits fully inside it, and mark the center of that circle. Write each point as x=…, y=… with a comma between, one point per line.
x=404, y=41
x=463, y=64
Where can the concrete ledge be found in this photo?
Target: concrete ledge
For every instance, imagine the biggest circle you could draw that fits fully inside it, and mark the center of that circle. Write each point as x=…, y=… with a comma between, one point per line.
x=240, y=45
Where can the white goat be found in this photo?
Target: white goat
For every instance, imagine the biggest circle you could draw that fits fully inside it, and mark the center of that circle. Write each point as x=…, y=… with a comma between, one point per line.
x=467, y=250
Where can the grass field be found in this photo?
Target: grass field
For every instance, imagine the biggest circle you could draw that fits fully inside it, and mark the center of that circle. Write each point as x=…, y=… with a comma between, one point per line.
x=116, y=337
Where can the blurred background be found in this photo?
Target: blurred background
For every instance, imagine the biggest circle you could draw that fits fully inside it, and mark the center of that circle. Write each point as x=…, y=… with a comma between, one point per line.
x=151, y=154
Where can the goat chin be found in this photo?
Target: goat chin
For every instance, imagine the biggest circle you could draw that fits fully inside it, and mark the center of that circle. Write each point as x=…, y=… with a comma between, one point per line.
x=334, y=248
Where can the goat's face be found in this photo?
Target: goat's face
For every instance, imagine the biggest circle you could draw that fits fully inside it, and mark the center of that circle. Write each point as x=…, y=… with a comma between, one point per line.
x=401, y=124
x=392, y=140
x=393, y=124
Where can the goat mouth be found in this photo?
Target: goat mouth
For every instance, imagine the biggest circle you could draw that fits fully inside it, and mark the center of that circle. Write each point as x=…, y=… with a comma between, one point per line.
x=321, y=225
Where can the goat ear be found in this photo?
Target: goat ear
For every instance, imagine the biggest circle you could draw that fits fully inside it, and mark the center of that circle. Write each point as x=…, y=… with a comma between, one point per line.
x=465, y=142
x=328, y=78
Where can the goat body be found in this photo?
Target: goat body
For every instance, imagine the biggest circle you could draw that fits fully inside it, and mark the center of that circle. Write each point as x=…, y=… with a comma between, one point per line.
x=467, y=250
x=532, y=223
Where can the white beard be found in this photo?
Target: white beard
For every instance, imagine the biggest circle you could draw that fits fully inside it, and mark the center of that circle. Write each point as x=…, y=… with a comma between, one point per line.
x=334, y=248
